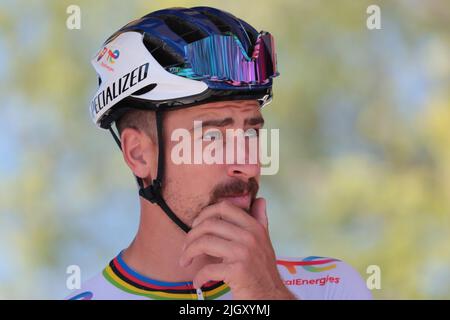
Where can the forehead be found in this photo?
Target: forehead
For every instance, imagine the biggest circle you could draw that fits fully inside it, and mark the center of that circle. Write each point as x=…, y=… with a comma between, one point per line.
x=237, y=108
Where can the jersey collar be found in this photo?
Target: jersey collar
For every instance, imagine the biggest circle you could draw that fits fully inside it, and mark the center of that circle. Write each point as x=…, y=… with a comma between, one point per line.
x=123, y=277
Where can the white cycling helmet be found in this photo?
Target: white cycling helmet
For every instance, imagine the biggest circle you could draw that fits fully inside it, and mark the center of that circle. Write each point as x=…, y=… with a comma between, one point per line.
x=175, y=58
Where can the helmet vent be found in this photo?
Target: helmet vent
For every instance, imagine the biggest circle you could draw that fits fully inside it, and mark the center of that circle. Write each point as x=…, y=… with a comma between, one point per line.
x=161, y=52
x=145, y=89
x=222, y=26
x=186, y=30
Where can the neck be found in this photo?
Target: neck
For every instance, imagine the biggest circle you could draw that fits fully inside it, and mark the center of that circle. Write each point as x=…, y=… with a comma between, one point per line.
x=157, y=247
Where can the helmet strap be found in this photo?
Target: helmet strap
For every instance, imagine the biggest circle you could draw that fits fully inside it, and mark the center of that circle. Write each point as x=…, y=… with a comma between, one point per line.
x=152, y=192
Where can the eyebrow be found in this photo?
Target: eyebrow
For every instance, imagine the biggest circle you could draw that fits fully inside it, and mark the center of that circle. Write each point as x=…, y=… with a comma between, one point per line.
x=217, y=122
x=229, y=121
x=254, y=121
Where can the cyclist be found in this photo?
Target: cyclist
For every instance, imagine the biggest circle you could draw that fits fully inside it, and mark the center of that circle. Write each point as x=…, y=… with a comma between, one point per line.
x=203, y=233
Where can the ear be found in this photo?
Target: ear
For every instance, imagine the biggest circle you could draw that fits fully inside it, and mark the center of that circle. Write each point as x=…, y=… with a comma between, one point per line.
x=139, y=152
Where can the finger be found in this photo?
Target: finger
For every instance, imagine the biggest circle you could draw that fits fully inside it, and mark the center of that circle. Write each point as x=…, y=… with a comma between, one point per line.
x=210, y=272
x=219, y=228
x=226, y=211
x=258, y=211
x=210, y=245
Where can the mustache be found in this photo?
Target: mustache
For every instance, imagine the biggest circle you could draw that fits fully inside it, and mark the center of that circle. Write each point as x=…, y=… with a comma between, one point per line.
x=235, y=188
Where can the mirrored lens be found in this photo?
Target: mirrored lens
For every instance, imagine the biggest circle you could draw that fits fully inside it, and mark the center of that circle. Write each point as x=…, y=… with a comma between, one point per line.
x=223, y=58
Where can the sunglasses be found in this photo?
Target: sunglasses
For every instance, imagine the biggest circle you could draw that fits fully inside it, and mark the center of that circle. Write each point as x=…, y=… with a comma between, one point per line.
x=222, y=58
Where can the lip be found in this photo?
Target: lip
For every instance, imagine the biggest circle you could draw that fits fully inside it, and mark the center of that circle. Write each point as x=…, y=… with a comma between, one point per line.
x=241, y=201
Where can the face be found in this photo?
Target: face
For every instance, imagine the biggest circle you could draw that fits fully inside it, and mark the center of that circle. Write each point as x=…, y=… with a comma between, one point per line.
x=188, y=188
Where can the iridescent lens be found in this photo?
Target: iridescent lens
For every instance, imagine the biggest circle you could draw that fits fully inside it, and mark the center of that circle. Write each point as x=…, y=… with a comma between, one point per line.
x=223, y=58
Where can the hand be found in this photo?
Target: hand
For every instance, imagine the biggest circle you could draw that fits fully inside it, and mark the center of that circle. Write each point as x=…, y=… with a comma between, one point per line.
x=242, y=241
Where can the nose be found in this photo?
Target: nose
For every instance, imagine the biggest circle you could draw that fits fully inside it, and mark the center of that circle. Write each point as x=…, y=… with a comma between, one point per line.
x=244, y=163
x=243, y=171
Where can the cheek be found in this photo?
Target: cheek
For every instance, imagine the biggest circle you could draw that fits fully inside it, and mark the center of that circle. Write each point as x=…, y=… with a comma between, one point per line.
x=189, y=187
x=193, y=183
x=201, y=178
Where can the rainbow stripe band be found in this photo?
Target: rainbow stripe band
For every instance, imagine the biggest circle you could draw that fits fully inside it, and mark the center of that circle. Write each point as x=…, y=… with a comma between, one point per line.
x=123, y=277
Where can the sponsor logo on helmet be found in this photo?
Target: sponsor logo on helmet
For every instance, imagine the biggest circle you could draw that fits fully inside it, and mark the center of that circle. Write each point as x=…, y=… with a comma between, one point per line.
x=111, y=57
x=112, y=92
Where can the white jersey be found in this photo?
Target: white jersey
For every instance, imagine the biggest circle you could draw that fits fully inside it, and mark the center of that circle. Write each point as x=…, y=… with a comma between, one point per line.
x=307, y=278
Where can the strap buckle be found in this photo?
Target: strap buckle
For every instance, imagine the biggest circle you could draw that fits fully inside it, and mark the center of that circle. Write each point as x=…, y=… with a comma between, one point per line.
x=153, y=192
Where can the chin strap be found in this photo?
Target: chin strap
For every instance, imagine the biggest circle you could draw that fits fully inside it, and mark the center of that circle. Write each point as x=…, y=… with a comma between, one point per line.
x=152, y=193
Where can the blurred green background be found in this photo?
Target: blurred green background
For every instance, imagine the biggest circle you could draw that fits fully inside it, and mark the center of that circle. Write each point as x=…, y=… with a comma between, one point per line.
x=364, y=118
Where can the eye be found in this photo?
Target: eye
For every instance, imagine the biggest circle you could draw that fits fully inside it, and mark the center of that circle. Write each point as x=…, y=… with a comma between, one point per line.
x=212, y=134
x=252, y=133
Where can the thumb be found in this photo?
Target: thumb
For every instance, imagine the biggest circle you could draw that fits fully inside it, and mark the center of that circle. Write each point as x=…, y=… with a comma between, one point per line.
x=258, y=211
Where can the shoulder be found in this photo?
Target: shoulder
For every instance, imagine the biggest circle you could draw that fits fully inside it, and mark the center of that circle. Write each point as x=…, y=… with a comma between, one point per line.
x=316, y=277
x=96, y=288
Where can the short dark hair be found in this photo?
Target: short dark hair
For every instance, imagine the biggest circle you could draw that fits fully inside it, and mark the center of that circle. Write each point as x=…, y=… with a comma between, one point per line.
x=142, y=120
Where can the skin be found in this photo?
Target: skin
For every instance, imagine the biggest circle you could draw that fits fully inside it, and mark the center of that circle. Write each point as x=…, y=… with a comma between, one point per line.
x=229, y=235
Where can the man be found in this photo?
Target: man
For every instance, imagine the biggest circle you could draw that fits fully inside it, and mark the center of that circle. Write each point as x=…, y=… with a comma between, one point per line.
x=203, y=234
